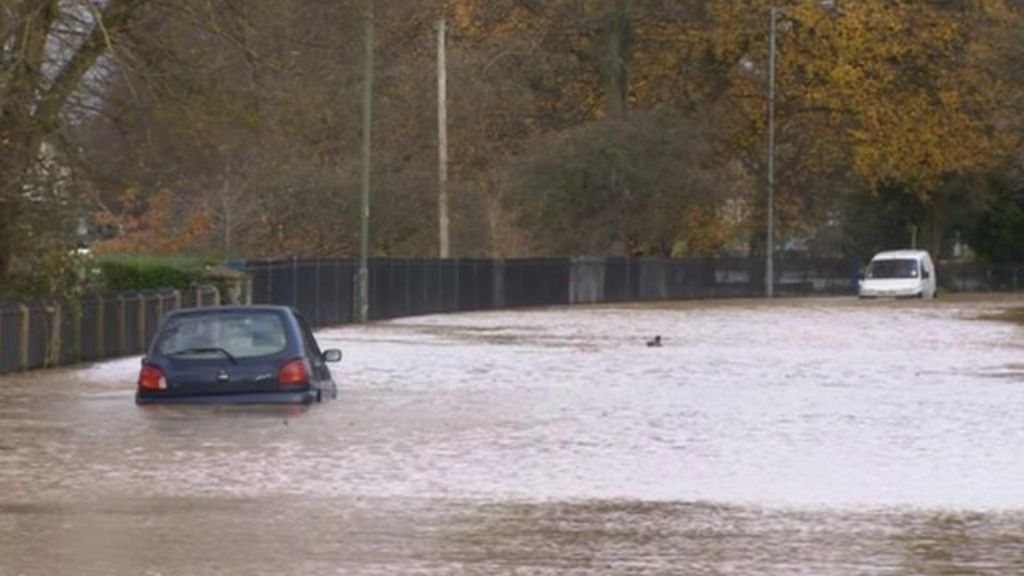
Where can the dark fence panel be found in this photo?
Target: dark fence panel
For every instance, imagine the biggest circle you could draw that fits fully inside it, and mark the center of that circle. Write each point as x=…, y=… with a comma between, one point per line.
x=306, y=277
x=261, y=280
x=346, y=290
x=449, y=285
x=131, y=316
x=89, y=329
x=11, y=316
x=541, y=282
x=737, y=278
x=283, y=277
x=379, y=284
x=419, y=291
x=112, y=333
x=484, y=282
x=69, y=339
x=40, y=330
x=327, y=305
x=980, y=277
x=400, y=289
x=618, y=280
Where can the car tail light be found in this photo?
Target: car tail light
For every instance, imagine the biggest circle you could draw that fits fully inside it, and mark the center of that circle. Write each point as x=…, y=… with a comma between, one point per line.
x=294, y=374
x=152, y=379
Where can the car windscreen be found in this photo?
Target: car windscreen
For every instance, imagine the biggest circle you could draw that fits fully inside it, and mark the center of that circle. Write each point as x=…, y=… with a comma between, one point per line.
x=899, y=268
x=230, y=335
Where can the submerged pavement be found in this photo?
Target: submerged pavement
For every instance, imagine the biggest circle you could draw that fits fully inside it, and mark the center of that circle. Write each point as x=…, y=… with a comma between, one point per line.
x=814, y=437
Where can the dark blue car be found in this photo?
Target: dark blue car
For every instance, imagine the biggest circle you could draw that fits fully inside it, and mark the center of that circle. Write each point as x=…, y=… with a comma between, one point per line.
x=236, y=355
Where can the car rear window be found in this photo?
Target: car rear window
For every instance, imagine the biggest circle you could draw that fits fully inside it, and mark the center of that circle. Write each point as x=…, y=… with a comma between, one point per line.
x=238, y=334
x=881, y=269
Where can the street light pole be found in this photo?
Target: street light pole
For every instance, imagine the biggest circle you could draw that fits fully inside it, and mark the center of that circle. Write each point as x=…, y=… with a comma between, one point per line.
x=769, y=269
x=363, y=282
x=442, y=141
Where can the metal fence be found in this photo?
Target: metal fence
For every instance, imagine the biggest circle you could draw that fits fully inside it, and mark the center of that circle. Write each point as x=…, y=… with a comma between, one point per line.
x=97, y=327
x=981, y=277
x=323, y=290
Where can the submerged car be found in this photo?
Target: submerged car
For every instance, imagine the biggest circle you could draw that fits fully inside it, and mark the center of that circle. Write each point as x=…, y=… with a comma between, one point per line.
x=899, y=274
x=236, y=355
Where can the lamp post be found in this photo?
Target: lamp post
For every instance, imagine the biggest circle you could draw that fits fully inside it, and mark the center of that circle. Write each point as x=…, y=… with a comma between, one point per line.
x=829, y=6
x=363, y=277
x=769, y=264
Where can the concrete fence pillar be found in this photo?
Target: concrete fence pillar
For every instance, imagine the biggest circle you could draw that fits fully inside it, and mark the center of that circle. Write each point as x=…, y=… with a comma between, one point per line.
x=498, y=287
x=101, y=306
x=122, y=325
x=53, y=352
x=586, y=280
x=142, y=322
x=23, y=337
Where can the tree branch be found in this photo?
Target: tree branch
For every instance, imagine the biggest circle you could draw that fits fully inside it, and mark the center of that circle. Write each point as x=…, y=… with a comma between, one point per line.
x=116, y=15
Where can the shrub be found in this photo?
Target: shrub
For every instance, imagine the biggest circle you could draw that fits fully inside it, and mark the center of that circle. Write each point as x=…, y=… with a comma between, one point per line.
x=129, y=273
x=54, y=274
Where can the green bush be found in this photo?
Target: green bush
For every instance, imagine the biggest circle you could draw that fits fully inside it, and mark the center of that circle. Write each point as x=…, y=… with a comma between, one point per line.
x=53, y=274
x=129, y=273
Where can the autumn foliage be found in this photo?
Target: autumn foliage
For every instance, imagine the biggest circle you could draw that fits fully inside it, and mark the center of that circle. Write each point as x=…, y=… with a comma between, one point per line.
x=575, y=126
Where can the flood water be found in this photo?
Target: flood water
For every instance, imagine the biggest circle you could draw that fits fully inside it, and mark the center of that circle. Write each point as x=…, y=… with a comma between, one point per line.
x=817, y=437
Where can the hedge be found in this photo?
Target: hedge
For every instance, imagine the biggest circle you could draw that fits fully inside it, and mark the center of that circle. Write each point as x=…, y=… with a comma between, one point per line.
x=130, y=273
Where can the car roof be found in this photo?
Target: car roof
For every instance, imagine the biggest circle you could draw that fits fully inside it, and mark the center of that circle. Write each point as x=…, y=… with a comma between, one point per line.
x=896, y=254
x=261, y=309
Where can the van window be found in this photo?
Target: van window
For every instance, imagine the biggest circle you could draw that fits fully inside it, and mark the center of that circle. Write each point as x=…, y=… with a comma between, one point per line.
x=902, y=268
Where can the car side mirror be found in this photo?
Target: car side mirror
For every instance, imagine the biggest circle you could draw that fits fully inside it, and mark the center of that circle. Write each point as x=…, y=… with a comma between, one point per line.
x=926, y=274
x=332, y=356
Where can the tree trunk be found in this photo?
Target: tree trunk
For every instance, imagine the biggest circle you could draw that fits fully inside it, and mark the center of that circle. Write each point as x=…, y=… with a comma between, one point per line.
x=31, y=101
x=615, y=66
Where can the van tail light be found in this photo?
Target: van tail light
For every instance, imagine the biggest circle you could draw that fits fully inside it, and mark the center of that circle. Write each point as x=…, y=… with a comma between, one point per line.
x=294, y=374
x=152, y=379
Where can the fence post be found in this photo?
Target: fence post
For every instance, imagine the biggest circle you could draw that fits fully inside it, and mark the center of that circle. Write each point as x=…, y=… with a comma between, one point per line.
x=498, y=287
x=141, y=322
x=23, y=337
x=53, y=355
x=122, y=325
x=159, y=307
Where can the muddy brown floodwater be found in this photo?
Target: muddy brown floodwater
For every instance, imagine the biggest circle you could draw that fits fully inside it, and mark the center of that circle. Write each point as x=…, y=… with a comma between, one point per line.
x=817, y=437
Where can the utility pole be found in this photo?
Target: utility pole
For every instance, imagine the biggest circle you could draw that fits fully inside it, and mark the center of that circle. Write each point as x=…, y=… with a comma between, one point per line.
x=363, y=287
x=769, y=267
x=442, y=140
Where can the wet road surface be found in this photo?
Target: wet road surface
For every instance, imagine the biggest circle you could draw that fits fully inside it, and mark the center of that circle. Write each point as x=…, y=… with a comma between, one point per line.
x=803, y=437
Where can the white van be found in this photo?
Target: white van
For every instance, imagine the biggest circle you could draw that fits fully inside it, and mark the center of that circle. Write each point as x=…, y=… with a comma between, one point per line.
x=899, y=274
